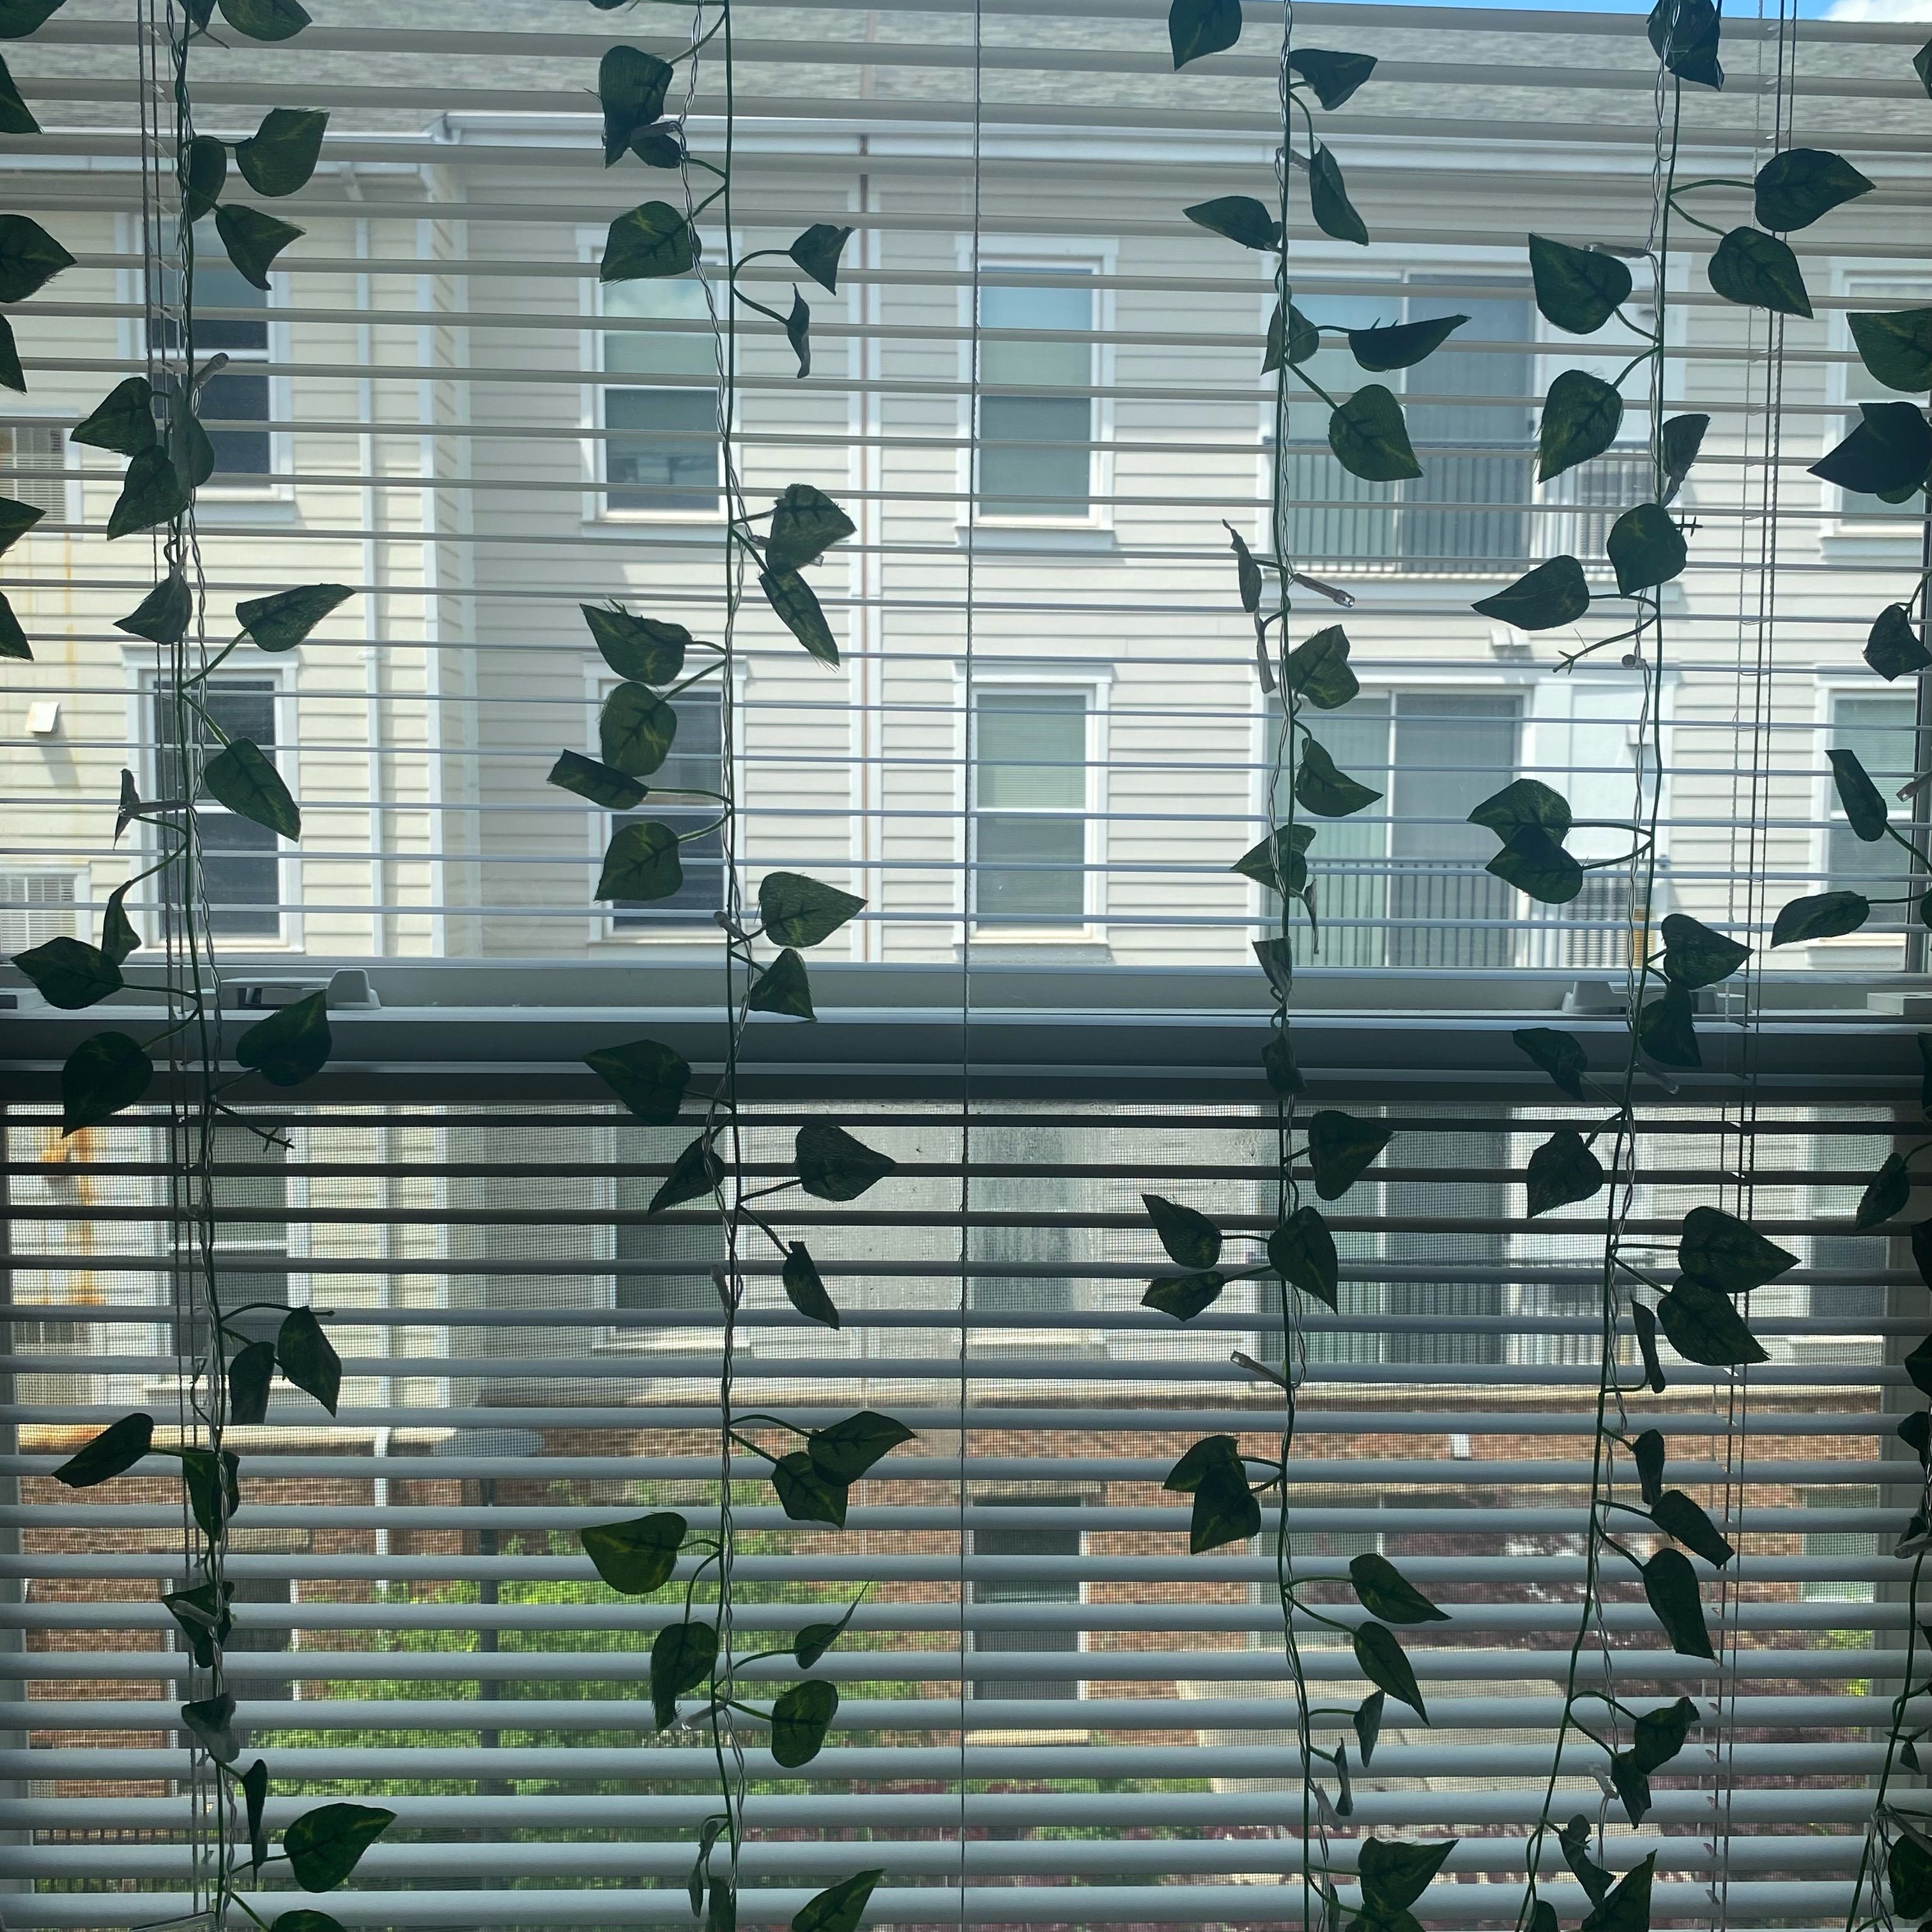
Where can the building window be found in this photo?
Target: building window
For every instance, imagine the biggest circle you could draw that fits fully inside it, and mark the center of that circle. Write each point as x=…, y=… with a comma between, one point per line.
x=240, y=866
x=1468, y=509
x=231, y=319
x=1879, y=727
x=1029, y=809
x=1404, y=884
x=1057, y=1543
x=696, y=765
x=1846, y=1546
x=34, y=455
x=1040, y=1154
x=662, y=449
x=1862, y=386
x=1036, y=451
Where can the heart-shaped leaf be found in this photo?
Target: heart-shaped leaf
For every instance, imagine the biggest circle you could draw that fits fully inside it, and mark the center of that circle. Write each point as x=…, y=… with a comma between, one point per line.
x=266, y=20
x=1665, y=1030
x=645, y=648
x=800, y=1718
x=19, y=20
x=805, y=523
x=1864, y=808
x=1646, y=548
x=1695, y=955
x=1224, y=1510
x=1367, y=1722
x=1892, y=648
x=805, y=1287
x=682, y=1656
x=1648, y=1453
x=253, y=241
x=1537, y=865
x=833, y=1166
x=30, y=258
x=70, y=973
x=647, y=244
x=1328, y=200
x=102, y=1076
x=1683, y=438
x=636, y=730
x=1385, y=1665
x=1684, y=34
x=1385, y=1592
x=1191, y=1239
x=1322, y=788
x=797, y=911
x=815, y=1640
x=1239, y=217
x=588, y=778
x=1333, y=76
x=1578, y=289
x=326, y=1845
x=649, y=1077
x=839, y=1907
x=783, y=987
x=280, y=622
x=1676, y=1515
x=1885, y=1195
x=1317, y=669
x=241, y=777
x=1895, y=345
x=1821, y=916
x=250, y=1376
x=1793, y=189
x=1887, y=453
x=1581, y=417
x=112, y=1453
x=1197, y=27
x=631, y=89
x=804, y=1494
x=1725, y=1253
x=308, y=1357
x=1369, y=438
x=695, y=1175
x=1394, y=1874
x=1184, y=1296
x=798, y=332
x=641, y=863
x=280, y=155
x=1293, y=339
x=1670, y=1587
x=211, y=1722
x=797, y=607
x=1703, y=1327
x=1341, y=1150
x=163, y=615
x=207, y=174
x=817, y=251
x=1402, y=345
x=1559, y=1054
x=1757, y=271
x=843, y=1452
x=1277, y=862
x=1553, y=593
x=291, y=1046
x=1563, y=1169
x=122, y=421
x=1302, y=1251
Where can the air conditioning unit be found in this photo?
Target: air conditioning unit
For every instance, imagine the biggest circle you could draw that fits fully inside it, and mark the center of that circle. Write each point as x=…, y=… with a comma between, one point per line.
x=36, y=907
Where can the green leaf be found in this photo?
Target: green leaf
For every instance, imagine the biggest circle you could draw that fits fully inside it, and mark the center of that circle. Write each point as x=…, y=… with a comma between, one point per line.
x=1320, y=788
x=636, y=1557
x=1553, y=593
x=614, y=790
x=800, y=1718
x=833, y=1166
x=1646, y=548
x=1368, y=1724
x=1670, y=1587
x=817, y=251
x=250, y=1377
x=1683, y=438
x=1386, y=1593
x=682, y=1656
x=1334, y=76
x=648, y=243
x=1563, y=1169
x=1647, y=1452
x=1758, y=271
x=267, y=20
x=291, y=1046
x=1247, y=572
x=69, y=972
x=1278, y=1065
x=1728, y=1254
x=1822, y=916
x=16, y=519
x=696, y=1173
x=1921, y=65
x=1627, y=1908
x=1578, y=289
x=1574, y=1838
x=844, y=1452
x=1197, y=1458
x=805, y=523
x=1684, y=35
x=1532, y=862
x=783, y=987
x=659, y=147
x=255, y=1796
x=103, y=1075
x=112, y=1453
x=1864, y=809
x=797, y=911
x=253, y=240
x=1394, y=1874
x=805, y=1287
x=1184, y=1296
x=241, y=778
x=1895, y=345
x=1328, y=201
x=1885, y=1195
x=1341, y=1149
x=1276, y=958
x=207, y=174
x=280, y=622
x=308, y=1357
x=1317, y=669
x=30, y=258
x=1887, y=453
x=839, y=1907
x=1893, y=648
x=16, y=117
x=211, y=1720
x=646, y=1075
x=213, y=1487
x=804, y=1494
x=163, y=615
x=280, y=155
x=815, y=1640
x=1695, y=955
x=797, y=606
x=1919, y=1367
x=1239, y=217
x=1302, y=1251
x=641, y=862
x=1560, y=1055
x=1402, y=345
x=151, y=492
x=1676, y=1515
x=1368, y=438
x=19, y=18
x=1224, y=1510
x=1665, y=1030
x=643, y=648
x=1191, y=1239
x=631, y=89
x=1703, y=1326
x=798, y=332
x=326, y=1845
x=1198, y=28
x=1524, y=802
x=1384, y=1665
x=1908, y=1869
x=1644, y=1323
x=13, y=639
x=204, y=1615
x=122, y=421
x=635, y=730
x=1291, y=338
x=1580, y=420
x=1277, y=862
x=1793, y=189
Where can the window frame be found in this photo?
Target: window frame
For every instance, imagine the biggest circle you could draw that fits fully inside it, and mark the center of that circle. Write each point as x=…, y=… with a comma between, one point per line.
x=1830, y=685
x=593, y=424
x=1095, y=684
x=1097, y=256
x=604, y=929
x=1849, y=521
x=143, y=678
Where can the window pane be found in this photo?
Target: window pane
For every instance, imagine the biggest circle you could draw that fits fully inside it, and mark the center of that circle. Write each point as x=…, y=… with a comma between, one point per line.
x=695, y=762
x=1050, y=1541
x=1335, y=517
x=1036, y=482
x=1880, y=730
x=1032, y=751
x=656, y=352
x=1348, y=863
x=1044, y=1149
x=669, y=459
x=667, y=1288
x=242, y=707
x=1030, y=871
x=237, y=396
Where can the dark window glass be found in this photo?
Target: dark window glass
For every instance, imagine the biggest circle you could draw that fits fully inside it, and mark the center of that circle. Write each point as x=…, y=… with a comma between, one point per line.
x=675, y=1262
x=1052, y=1540
x=240, y=867
x=1029, y=827
x=696, y=764
x=1036, y=460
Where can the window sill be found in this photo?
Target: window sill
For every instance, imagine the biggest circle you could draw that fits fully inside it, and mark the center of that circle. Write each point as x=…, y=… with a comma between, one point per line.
x=1073, y=947
x=1041, y=536
x=243, y=505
